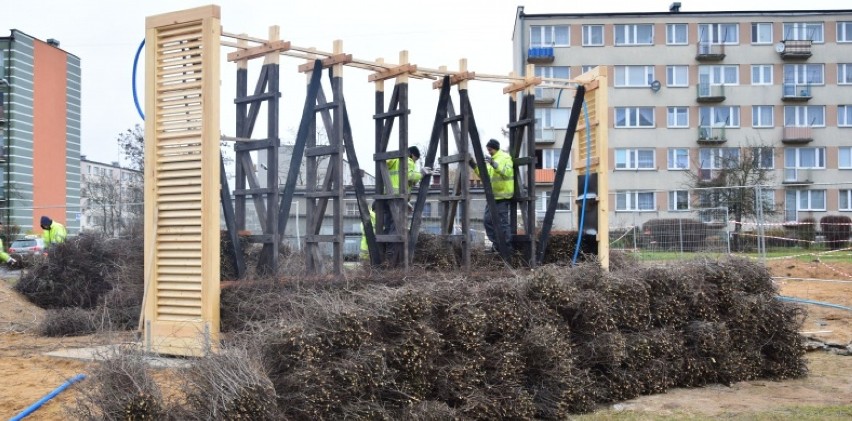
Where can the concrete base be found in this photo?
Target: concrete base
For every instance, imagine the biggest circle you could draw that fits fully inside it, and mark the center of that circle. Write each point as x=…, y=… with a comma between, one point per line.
x=104, y=352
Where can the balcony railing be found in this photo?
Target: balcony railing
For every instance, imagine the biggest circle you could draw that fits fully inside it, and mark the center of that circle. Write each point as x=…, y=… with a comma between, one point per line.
x=797, y=135
x=546, y=96
x=540, y=55
x=798, y=176
x=711, y=135
x=795, y=48
x=545, y=135
x=710, y=93
x=708, y=51
x=796, y=91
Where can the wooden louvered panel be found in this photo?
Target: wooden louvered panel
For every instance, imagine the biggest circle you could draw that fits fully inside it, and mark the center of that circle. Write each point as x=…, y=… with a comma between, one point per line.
x=181, y=205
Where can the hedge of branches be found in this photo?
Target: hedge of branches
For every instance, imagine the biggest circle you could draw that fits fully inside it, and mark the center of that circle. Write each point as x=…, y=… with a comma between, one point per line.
x=544, y=346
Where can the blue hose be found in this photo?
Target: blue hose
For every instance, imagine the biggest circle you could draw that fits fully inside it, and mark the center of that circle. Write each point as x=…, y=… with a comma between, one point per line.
x=133, y=79
x=817, y=303
x=585, y=183
x=32, y=408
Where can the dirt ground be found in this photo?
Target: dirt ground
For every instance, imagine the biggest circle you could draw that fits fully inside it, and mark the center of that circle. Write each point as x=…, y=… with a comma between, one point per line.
x=26, y=374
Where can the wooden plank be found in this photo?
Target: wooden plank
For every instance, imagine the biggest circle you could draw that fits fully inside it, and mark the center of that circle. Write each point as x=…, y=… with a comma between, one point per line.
x=327, y=62
x=260, y=51
x=455, y=79
x=183, y=16
x=392, y=73
x=520, y=86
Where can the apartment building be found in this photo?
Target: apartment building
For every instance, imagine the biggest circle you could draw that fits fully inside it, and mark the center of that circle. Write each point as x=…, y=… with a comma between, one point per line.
x=39, y=132
x=111, y=197
x=688, y=89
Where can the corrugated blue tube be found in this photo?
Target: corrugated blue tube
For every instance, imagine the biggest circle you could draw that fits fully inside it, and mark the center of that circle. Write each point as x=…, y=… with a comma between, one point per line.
x=32, y=408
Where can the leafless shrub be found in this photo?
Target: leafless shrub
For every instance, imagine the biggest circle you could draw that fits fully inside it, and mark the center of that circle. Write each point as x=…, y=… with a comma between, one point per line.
x=72, y=321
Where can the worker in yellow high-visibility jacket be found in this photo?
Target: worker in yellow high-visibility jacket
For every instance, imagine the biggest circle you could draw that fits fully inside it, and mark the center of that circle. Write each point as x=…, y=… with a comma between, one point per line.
x=52, y=232
x=4, y=257
x=501, y=172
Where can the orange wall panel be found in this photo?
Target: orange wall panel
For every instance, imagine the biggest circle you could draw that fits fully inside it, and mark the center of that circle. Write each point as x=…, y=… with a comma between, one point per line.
x=49, y=132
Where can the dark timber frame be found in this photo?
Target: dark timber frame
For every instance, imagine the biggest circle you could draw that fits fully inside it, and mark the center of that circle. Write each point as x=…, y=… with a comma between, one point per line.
x=522, y=150
x=265, y=198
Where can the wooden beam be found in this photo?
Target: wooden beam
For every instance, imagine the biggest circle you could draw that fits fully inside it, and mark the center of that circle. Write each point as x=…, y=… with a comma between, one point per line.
x=520, y=86
x=255, y=52
x=327, y=62
x=455, y=79
x=402, y=71
x=183, y=16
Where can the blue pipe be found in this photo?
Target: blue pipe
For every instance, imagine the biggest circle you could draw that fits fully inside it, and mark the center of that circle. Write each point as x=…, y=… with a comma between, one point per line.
x=817, y=303
x=585, y=182
x=32, y=408
x=133, y=79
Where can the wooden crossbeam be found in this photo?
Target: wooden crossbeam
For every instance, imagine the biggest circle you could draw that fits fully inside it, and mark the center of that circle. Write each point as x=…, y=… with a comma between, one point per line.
x=455, y=79
x=393, y=72
x=327, y=62
x=255, y=52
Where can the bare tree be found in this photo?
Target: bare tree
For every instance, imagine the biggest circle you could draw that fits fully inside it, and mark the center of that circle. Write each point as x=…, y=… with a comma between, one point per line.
x=113, y=202
x=132, y=144
x=731, y=178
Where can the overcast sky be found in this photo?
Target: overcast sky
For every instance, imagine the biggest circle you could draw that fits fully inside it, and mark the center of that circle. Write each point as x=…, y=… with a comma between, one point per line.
x=105, y=35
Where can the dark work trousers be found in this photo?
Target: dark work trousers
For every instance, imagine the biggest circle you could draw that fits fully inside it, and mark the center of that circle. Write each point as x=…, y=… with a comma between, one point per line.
x=393, y=251
x=503, y=207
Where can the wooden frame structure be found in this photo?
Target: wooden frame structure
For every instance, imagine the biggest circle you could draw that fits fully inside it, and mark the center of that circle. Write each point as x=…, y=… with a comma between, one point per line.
x=182, y=172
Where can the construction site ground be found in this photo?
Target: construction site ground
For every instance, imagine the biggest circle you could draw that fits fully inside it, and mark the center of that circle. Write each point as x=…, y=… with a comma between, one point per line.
x=826, y=393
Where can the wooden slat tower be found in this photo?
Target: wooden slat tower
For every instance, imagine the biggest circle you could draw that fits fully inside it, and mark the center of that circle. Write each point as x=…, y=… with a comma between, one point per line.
x=455, y=192
x=594, y=156
x=264, y=195
x=392, y=243
x=181, y=304
x=522, y=150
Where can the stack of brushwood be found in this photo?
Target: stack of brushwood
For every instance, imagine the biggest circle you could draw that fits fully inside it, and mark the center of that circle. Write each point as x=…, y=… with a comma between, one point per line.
x=90, y=282
x=544, y=346
x=437, y=253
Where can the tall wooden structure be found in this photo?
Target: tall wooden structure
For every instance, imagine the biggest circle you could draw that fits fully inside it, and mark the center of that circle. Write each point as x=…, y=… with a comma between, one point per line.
x=181, y=304
x=593, y=159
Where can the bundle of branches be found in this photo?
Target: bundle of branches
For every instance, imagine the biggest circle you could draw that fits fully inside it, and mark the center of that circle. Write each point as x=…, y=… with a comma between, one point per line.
x=228, y=269
x=229, y=384
x=119, y=308
x=72, y=321
x=74, y=275
x=120, y=387
x=434, y=252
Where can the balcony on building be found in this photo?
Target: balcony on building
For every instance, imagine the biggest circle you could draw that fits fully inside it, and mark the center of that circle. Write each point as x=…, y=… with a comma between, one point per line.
x=547, y=96
x=710, y=93
x=708, y=51
x=798, y=176
x=795, y=49
x=544, y=135
x=796, y=92
x=545, y=175
x=539, y=55
x=710, y=135
x=797, y=135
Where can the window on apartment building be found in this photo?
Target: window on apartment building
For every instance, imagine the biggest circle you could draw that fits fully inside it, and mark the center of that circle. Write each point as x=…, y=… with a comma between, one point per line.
x=543, y=199
x=634, y=159
x=557, y=72
x=804, y=158
x=593, y=35
x=631, y=200
x=719, y=116
x=719, y=33
x=634, y=34
x=676, y=34
x=549, y=158
x=844, y=31
x=678, y=158
x=844, y=200
x=587, y=67
x=719, y=75
x=844, y=73
x=677, y=76
x=549, y=36
x=844, y=158
x=812, y=74
x=804, y=116
x=633, y=76
x=634, y=117
x=351, y=209
x=804, y=31
x=2, y=65
x=805, y=200
x=678, y=117
x=762, y=116
x=552, y=117
x=679, y=200
x=844, y=116
x=761, y=74
x=763, y=157
x=718, y=158
x=761, y=33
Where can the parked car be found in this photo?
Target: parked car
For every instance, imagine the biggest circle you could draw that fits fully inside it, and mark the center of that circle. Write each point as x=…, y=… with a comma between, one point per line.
x=27, y=247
